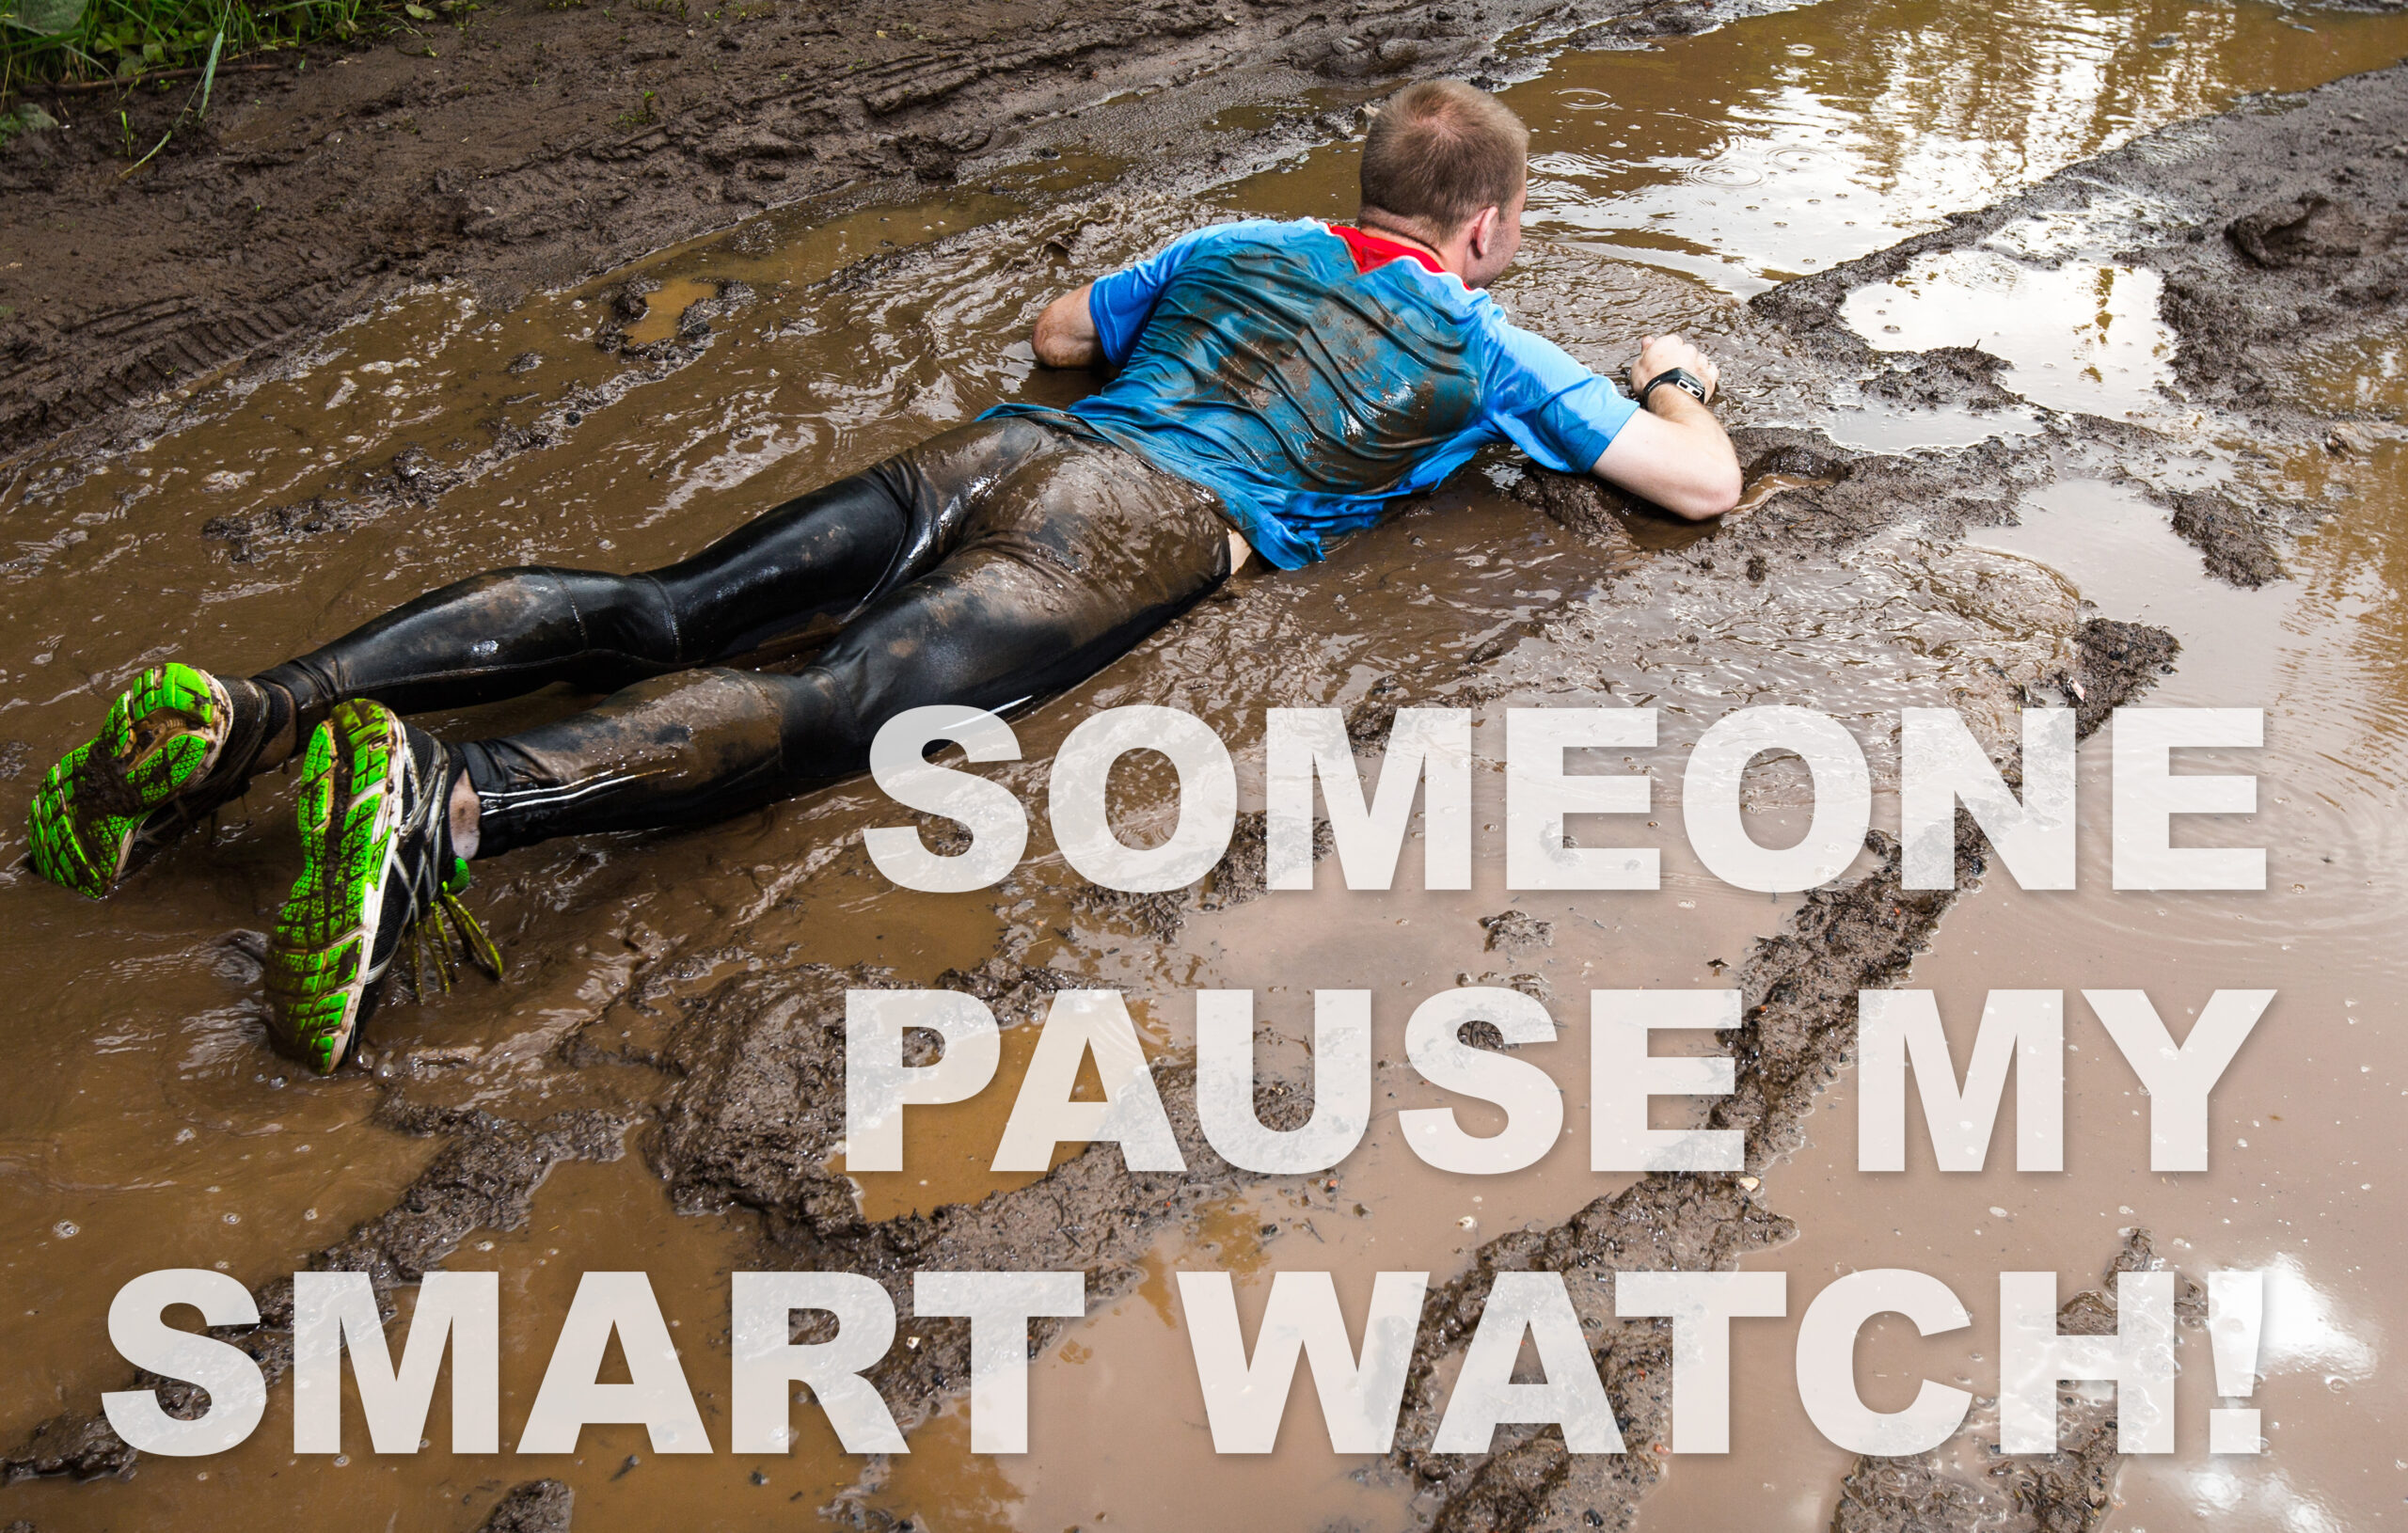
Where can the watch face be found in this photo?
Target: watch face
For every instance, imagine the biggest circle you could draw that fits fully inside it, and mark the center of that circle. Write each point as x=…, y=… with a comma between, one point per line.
x=1680, y=378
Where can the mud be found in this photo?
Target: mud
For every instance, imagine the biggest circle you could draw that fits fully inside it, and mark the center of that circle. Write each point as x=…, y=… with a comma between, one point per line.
x=539, y=1505
x=1799, y=993
x=686, y=992
x=2068, y=1492
x=530, y=145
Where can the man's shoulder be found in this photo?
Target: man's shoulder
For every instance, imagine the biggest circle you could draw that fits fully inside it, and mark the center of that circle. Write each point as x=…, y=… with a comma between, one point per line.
x=1512, y=344
x=1273, y=229
x=1298, y=233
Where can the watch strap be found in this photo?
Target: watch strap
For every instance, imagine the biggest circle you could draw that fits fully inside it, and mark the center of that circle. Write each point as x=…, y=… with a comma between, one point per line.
x=1681, y=378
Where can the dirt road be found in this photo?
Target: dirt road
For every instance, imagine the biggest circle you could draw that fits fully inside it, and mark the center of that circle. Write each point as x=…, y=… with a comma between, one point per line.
x=672, y=997
x=532, y=144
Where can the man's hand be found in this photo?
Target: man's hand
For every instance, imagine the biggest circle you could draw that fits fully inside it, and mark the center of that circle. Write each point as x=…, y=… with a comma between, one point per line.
x=1065, y=335
x=1673, y=452
x=1659, y=355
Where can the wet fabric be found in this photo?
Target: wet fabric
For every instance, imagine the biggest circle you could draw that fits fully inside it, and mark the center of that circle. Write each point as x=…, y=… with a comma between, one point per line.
x=999, y=560
x=1258, y=360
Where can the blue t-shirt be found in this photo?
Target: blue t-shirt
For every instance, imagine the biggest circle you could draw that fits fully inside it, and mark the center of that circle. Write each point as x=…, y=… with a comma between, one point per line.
x=1255, y=360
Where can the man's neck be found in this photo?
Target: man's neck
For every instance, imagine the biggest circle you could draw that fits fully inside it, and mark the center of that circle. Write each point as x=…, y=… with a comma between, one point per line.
x=1371, y=222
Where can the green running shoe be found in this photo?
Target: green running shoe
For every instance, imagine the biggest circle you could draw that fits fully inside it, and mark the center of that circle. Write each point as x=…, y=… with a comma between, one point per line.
x=175, y=744
x=378, y=878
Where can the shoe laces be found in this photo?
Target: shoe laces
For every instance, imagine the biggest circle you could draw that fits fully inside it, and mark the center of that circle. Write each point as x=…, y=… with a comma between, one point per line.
x=427, y=939
x=434, y=879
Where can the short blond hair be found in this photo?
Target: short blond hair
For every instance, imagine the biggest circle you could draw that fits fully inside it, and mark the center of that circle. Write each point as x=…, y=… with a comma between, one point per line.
x=1440, y=151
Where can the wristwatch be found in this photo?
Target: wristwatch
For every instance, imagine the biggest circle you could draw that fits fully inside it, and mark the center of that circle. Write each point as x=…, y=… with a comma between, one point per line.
x=1681, y=378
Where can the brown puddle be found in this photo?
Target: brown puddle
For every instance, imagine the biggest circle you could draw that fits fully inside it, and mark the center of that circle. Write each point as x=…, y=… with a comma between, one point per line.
x=949, y=1151
x=1784, y=145
x=590, y=1218
x=146, y=1126
x=2298, y=1184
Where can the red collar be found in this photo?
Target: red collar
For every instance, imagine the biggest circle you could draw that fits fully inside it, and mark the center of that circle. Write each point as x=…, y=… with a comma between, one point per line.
x=1371, y=251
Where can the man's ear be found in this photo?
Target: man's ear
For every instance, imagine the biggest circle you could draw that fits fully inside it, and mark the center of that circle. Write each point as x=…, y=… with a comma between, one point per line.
x=1483, y=230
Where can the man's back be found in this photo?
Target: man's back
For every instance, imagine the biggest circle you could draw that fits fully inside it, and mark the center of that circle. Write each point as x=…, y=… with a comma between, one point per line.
x=1308, y=375
x=1350, y=377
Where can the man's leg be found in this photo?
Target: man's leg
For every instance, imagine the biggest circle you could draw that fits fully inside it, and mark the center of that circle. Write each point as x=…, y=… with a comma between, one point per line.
x=180, y=741
x=1075, y=556
x=818, y=557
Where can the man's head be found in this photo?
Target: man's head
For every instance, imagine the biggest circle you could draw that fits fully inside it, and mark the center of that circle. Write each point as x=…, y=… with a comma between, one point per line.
x=1448, y=165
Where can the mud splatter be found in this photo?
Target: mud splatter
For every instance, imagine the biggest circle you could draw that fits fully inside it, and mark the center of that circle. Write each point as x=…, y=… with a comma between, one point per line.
x=539, y=1505
x=1510, y=931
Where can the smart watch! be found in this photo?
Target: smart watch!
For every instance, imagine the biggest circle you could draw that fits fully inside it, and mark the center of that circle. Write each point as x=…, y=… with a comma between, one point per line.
x=1681, y=378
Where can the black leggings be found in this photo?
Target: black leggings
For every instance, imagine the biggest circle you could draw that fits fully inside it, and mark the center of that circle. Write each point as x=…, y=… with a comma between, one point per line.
x=999, y=560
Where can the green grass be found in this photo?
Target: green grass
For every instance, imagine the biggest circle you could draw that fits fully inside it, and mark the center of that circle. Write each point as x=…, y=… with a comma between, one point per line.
x=45, y=40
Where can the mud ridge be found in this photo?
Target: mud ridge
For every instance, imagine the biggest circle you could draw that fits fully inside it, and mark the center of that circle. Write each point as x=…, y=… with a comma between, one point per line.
x=732, y=1136
x=2070, y=1491
x=1800, y=989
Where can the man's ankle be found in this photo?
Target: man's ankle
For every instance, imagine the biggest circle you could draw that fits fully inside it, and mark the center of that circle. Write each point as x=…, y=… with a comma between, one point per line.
x=465, y=810
x=283, y=736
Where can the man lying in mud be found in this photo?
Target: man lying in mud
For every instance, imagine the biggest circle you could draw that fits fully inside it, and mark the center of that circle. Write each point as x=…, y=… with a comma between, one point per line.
x=1275, y=385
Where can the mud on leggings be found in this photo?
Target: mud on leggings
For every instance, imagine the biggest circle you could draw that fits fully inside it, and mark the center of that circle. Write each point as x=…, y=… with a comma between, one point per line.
x=998, y=560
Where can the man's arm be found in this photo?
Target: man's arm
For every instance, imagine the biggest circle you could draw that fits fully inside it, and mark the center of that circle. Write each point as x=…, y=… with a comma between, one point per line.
x=1065, y=336
x=1673, y=452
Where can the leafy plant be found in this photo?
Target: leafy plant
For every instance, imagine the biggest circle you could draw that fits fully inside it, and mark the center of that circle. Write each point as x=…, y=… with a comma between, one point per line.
x=645, y=114
x=23, y=119
x=208, y=79
x=127, y=40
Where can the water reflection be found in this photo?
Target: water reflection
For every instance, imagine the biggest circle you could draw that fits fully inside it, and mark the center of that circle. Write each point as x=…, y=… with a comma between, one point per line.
x=2343, y=635
x=1762, y=151
x=2271, y=1501
x=2077, y=337
x=2304, y=1331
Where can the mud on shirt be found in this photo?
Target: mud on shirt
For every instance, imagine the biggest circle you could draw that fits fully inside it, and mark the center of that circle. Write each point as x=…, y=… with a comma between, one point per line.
x=1308, y=375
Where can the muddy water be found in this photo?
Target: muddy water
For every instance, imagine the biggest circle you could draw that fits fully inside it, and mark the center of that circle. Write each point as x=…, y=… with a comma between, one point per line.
x=1781, y=146
x=2299, y=1185
x=146, y=1127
